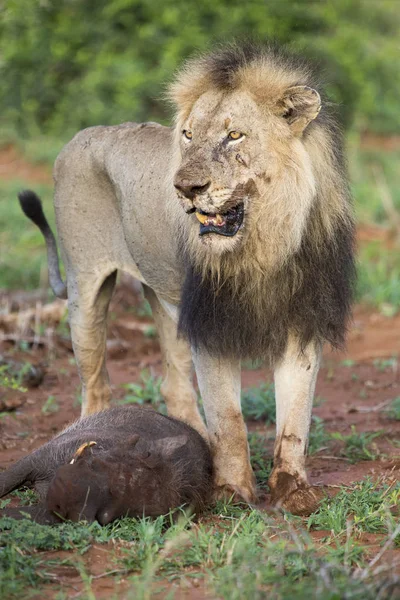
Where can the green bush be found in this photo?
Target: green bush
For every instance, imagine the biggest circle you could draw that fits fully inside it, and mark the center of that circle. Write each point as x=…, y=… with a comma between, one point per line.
x=71, y=64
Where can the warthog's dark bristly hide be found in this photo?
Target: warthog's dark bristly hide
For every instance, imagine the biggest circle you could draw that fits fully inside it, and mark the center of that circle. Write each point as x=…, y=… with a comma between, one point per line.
x=142, y=463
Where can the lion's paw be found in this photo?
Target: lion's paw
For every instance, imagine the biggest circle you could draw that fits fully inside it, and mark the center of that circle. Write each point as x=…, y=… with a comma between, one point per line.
x=295, y=495
x=239, y=493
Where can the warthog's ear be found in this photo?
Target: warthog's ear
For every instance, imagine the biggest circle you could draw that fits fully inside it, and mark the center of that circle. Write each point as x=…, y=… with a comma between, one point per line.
x=299, y=105
x=152, y=453
x=167, y=446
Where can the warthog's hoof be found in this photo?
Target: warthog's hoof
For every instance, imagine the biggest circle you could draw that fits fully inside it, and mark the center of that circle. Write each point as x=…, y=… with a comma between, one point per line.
x=293, y=494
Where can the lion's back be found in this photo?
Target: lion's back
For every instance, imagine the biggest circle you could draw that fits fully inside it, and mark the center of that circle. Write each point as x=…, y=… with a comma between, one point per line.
x=94, y=146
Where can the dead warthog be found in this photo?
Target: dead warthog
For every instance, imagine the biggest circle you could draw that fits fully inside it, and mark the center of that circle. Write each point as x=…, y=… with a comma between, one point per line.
x=126, y=461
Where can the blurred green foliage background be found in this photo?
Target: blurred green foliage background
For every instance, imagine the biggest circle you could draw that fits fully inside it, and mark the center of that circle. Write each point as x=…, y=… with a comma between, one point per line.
x=68, y=64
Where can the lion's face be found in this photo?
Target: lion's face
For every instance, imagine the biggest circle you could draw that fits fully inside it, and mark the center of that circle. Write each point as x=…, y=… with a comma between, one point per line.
x=239, y=166
x=222, y=167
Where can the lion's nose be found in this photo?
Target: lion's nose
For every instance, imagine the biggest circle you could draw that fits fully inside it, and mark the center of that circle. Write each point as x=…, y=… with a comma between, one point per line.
x=190, y=189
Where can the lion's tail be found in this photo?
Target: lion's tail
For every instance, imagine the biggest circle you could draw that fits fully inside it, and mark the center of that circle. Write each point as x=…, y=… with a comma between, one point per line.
x=32, y=207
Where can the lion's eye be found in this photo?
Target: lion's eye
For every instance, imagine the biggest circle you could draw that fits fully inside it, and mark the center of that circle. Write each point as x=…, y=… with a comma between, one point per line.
x=235, y=135
x=188, y=134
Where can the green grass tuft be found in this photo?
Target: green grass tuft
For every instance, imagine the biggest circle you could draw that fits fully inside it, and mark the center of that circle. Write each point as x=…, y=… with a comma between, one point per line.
x=261, y=460
x=393, y=410
x=258, y=403
x=357, y=446
x=319, y=439
x=146, y=392
x=367, y=506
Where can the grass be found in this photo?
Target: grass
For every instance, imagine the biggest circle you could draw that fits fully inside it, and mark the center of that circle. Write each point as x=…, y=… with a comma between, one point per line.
x=236, y=551
x=368, y=506
x=9, y=380
x=145, y=392
x=358, y=446
x=50, y=406
x=261, y=459
x=258, y=403
x=393, y=410
x=319, y=439
x=385, y=364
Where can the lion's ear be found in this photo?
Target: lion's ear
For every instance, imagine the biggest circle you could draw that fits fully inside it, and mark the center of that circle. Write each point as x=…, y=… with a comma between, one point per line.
x=300, y=105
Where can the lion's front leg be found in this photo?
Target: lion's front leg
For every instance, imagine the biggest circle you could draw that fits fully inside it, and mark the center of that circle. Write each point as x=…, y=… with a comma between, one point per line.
x=295, y=378
x=219, y=383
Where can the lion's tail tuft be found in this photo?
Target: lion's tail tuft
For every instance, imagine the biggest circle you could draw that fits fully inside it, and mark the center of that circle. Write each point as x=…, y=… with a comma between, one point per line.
x=32, y=207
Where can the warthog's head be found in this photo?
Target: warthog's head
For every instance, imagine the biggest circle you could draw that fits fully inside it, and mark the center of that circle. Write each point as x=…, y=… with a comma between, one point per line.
x=131, y=479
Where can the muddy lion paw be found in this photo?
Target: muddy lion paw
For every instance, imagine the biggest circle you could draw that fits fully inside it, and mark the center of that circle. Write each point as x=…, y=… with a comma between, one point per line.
x=246, y=493
x=294, y=494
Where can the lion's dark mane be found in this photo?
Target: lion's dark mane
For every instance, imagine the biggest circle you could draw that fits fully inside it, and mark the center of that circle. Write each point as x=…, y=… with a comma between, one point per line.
x=309, y=295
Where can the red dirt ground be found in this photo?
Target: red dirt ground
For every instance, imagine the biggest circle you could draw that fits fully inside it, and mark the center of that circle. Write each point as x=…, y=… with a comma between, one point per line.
x=351, y=386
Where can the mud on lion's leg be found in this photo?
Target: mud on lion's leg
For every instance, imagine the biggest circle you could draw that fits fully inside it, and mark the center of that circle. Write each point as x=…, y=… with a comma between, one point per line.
x=295, y=378
x=88, y=322
x=219, y=383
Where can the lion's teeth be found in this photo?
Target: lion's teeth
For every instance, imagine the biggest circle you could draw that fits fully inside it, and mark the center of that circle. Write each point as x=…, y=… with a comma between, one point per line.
x=202, y=218
x=216, y=220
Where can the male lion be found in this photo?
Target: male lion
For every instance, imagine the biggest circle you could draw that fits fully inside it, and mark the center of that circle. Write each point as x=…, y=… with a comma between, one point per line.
x=237, y=221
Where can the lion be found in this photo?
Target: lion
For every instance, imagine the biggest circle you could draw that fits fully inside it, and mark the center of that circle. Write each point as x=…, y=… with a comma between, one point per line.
x=238, y=222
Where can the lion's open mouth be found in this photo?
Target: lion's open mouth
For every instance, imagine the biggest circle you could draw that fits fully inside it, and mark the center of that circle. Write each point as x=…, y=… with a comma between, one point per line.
x=227, y=223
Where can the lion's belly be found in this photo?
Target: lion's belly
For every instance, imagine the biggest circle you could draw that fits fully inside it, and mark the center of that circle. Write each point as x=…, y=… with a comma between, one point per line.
x=152, y=250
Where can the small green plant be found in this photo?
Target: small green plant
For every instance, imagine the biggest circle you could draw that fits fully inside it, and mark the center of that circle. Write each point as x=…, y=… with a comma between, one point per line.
x=10, y=382
x=393, y=410
x=148, y=391
x=357, y=445
x=26, y=496
x=258, y=403
x=348, y=362
x=260, y=459
x=144, y=308
x=384, y=364
x=150, y=332
x=50, y=406
x=319, y=438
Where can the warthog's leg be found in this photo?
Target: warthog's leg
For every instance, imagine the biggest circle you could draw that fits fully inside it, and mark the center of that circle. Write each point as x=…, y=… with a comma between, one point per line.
x=177, y=387
x=88, y=321
x=219, y=383
x=295, y=378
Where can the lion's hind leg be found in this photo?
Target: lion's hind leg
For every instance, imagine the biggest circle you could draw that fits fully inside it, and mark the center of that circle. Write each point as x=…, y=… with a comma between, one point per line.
x=88, y=305
x=177, y=387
